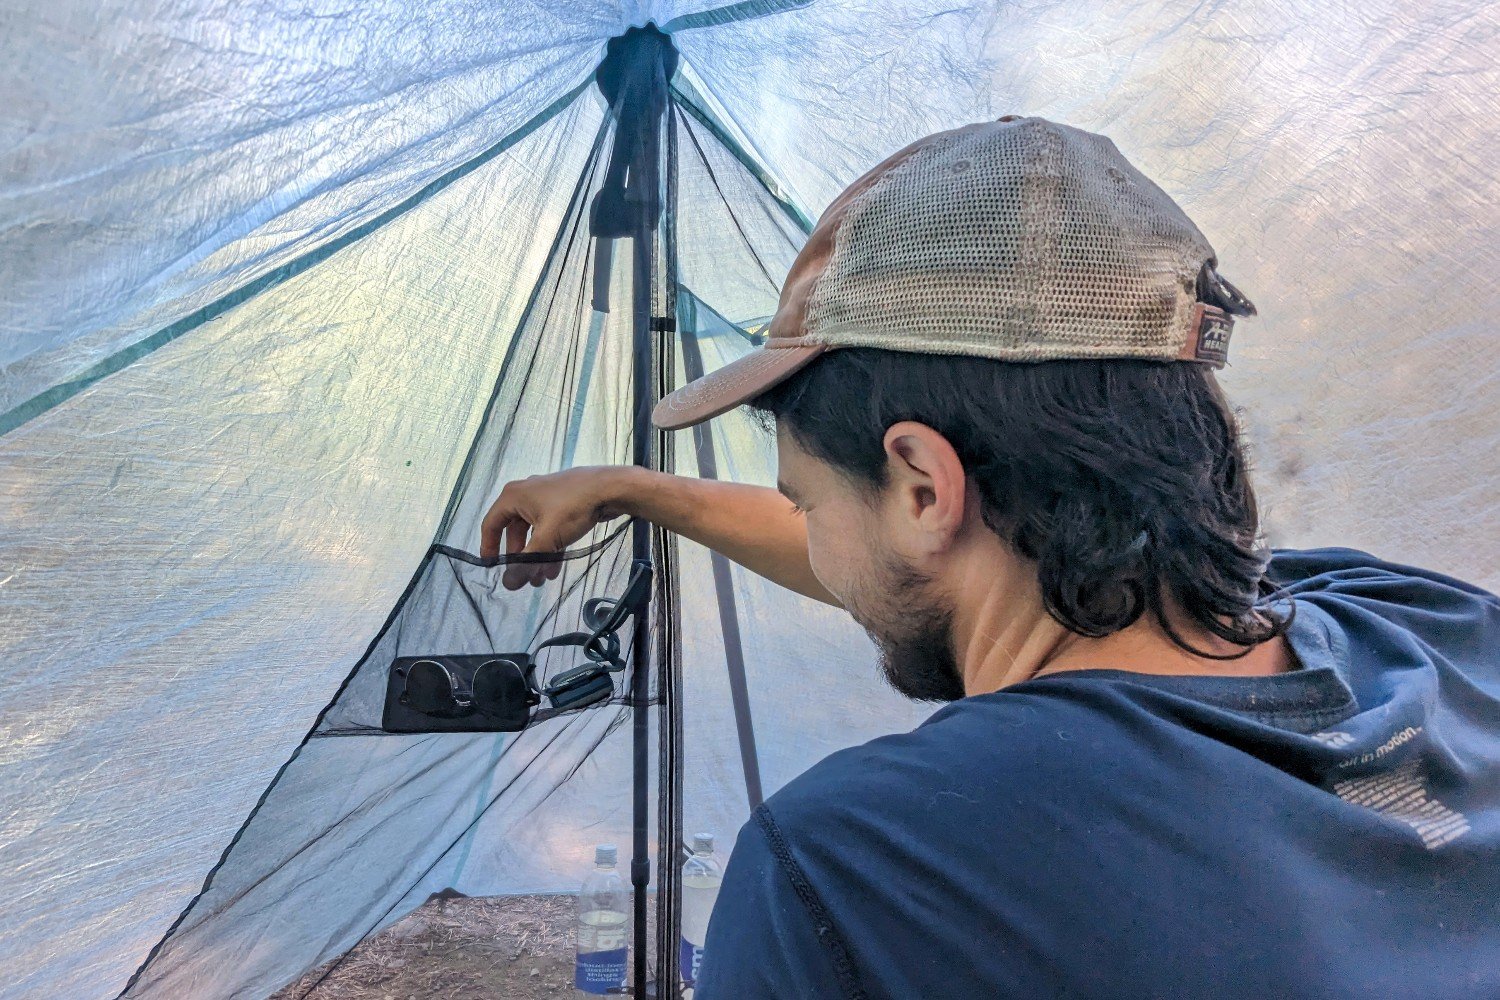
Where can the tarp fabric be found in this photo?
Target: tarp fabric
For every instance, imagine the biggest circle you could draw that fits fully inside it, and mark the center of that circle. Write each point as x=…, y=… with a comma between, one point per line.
x=288, y=291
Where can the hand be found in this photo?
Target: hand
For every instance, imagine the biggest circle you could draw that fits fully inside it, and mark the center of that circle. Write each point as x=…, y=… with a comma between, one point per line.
x=557, y=509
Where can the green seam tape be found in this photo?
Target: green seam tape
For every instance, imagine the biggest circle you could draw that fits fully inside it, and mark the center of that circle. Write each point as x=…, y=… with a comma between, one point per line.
x=63, y=391
x=686, y=103
x=742, y=11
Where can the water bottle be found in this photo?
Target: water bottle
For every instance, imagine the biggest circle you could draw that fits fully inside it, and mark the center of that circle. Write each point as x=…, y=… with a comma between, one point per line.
x=603, y=929
x=701, y=878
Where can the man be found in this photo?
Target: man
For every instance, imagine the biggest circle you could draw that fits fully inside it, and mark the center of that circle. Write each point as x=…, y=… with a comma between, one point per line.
x=1170, y=766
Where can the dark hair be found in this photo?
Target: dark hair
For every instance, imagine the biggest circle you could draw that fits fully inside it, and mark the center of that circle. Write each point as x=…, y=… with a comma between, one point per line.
x=1124, y=480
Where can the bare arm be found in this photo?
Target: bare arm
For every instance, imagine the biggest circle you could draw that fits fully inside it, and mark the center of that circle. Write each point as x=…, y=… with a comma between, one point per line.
x=753, y=525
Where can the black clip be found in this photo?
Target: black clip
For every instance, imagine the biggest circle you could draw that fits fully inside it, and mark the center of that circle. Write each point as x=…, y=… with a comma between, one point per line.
x=590, y=683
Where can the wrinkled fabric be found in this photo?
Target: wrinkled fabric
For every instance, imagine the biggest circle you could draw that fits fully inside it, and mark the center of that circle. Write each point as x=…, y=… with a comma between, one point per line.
x=261, y=267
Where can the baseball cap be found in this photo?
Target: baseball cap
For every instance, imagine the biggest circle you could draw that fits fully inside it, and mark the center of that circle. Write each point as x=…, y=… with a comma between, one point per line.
x=1018, y=239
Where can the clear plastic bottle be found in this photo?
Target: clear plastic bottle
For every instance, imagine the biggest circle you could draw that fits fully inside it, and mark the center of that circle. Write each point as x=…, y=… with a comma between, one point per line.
x=603, y=929
x=701, y=878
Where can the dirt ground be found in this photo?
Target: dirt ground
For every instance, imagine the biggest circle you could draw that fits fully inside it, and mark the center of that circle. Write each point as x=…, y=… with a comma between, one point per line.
x=496, y=948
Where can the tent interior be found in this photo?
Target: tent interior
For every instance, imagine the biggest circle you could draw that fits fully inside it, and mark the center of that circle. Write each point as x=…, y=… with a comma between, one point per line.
x=291, y=290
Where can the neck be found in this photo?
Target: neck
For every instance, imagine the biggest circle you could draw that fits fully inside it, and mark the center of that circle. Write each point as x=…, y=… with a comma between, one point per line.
x=1002, y=635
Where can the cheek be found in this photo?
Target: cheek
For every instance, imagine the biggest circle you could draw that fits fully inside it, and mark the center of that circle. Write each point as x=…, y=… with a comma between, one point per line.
x=819, y=556
x=833, y=554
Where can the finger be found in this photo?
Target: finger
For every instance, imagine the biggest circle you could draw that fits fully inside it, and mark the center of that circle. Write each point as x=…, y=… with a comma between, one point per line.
x=493, y=524
x=554, y=569
x=543, y=572
x=489, y=541
x=543, y=542
x=515, y=574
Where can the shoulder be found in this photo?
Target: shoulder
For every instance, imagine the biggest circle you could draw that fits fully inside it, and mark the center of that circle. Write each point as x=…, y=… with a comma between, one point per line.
x=1371, y=597
x=862, y=850
x=971, y=761
x=818, y=871
x=1350, y=571
x=770, y=934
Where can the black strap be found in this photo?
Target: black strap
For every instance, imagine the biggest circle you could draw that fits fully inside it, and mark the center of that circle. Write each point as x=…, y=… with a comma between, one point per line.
x=604, y=616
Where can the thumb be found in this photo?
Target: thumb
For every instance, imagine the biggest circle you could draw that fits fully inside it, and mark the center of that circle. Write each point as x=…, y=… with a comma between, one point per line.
x=544, y=539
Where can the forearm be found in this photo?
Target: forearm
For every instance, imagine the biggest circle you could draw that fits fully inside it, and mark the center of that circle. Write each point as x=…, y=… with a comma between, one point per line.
x=753, y=525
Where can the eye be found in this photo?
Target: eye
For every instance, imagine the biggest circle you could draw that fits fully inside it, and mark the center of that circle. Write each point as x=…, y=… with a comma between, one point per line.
x=797, y=510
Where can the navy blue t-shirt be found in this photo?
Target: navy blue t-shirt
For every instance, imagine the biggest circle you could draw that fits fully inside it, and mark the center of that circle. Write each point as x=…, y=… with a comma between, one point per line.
x=1332, y=832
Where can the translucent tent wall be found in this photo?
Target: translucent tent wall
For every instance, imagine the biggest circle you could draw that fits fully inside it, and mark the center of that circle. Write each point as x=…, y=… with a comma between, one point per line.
x=290, y=291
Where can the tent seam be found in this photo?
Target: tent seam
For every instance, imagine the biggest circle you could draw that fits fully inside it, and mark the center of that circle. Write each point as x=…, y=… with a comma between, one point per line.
x=745, y=10
x=760, y=173
x=60, y=393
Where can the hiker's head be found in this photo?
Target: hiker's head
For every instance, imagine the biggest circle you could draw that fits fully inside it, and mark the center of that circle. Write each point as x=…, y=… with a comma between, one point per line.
x=994, y=356
x=1107, y=490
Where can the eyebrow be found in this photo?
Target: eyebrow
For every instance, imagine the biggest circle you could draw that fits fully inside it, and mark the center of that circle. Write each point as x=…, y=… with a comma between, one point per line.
x=786, y=491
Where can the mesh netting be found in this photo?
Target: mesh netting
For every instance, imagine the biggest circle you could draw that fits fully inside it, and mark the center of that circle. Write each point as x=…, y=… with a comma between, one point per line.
x=1018, y=240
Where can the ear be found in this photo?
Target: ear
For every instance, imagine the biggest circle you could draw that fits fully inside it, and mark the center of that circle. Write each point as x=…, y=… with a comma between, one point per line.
x=926, y=485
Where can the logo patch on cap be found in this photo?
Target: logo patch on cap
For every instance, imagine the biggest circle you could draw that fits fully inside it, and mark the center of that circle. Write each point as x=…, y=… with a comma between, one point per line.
x=1210, y=337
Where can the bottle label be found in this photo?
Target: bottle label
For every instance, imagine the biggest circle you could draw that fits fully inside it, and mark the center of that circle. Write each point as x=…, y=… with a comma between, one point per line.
x=600, y=972
x=692, y=957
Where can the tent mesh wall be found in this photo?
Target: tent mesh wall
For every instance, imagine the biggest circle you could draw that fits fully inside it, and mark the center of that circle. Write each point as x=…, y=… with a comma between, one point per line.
x=289, y=293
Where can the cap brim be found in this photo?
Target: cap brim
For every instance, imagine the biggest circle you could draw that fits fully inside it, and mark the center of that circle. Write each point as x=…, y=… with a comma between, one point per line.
x=737, y=382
